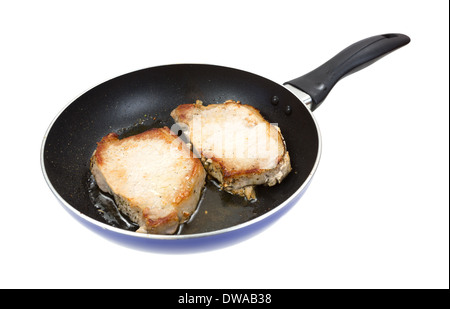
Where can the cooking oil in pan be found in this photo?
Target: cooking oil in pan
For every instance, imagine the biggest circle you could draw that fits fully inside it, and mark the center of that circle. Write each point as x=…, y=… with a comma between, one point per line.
x=107, y=208
x=216, y=210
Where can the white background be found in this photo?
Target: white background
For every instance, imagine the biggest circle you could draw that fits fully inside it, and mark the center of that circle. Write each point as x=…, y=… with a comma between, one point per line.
x=376, y=213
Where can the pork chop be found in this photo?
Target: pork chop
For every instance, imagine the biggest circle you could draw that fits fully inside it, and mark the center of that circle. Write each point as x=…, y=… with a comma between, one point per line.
x=153, y=177
x=237, y=146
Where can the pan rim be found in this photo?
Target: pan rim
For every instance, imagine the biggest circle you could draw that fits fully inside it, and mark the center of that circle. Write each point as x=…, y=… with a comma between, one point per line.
x=110, y=228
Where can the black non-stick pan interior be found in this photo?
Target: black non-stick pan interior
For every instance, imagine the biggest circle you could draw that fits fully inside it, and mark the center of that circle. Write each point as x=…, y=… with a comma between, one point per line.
x=140, y=100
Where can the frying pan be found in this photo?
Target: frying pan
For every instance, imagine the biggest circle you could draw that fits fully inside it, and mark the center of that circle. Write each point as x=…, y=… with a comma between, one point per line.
x=143, y=99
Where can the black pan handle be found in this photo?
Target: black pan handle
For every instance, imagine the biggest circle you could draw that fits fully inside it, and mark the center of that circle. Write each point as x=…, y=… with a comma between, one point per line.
x=319, y=82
